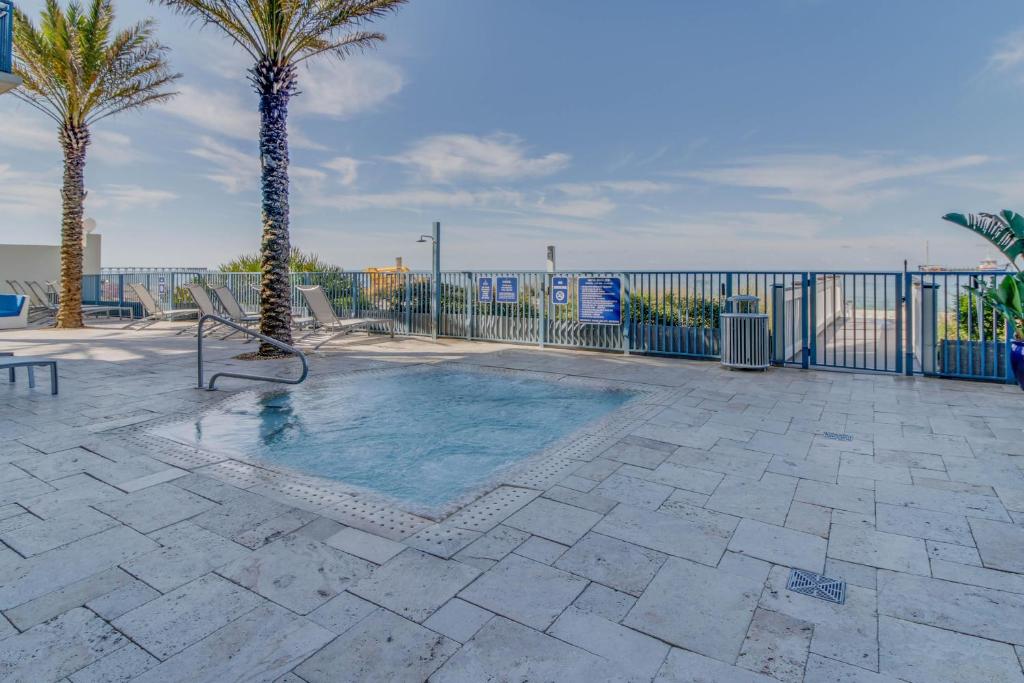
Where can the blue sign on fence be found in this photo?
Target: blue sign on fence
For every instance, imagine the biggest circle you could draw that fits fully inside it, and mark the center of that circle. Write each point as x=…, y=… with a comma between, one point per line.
x=507, y=290
x=599, y=300
x=559, y=291
x=485, y=290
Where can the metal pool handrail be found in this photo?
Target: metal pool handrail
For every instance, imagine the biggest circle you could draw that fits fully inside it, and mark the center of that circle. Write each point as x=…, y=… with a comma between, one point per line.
x=244, y=330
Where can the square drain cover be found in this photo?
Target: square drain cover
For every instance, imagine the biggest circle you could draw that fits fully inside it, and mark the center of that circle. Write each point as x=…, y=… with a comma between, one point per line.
x=838, y=437
x=817, y=586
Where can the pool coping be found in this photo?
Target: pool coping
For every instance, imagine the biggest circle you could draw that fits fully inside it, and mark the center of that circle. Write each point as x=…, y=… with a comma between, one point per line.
x=376, y=512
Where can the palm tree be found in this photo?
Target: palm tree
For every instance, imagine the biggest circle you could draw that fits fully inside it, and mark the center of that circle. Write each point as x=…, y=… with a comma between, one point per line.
x=78, y=70
x=279, y=35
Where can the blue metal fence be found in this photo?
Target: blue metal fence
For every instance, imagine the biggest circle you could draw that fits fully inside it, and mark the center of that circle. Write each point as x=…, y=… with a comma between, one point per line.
x=910, y=323
x=6, y=34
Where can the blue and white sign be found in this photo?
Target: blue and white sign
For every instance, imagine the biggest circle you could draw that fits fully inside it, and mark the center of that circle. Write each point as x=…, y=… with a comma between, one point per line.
x=507, y=290
x=161, y=285
x=599, y=300
x=485, y=290
x=559, y=291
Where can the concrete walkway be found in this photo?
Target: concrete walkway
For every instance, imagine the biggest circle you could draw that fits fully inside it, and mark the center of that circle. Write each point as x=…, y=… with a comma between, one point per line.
x=656, y=548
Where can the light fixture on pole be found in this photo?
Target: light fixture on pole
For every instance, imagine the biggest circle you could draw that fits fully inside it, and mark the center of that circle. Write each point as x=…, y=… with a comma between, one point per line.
x=435, y=284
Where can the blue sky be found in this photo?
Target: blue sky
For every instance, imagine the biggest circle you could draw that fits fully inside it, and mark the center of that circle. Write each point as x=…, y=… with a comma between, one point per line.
x=805, y=134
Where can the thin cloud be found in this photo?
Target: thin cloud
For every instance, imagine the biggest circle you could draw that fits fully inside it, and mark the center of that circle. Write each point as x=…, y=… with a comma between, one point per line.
x=341, y=89
x=1009, y=52
x=347, y=169
x=225, y=114
x=833, y=182
x=238, y=171
x=123, y=197
x=445, y=158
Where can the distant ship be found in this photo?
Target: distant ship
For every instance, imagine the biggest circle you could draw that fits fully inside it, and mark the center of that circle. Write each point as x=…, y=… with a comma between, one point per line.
x=987, y=264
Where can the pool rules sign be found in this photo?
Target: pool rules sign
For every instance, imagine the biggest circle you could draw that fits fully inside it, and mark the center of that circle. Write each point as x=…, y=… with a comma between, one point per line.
x=599, y=300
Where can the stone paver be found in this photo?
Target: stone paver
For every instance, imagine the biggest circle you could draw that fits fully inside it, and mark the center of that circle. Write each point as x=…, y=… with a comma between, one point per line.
x=766, y=500
x=155, y=507
x=415, y=584
x=554, y=521
x=923, y=654
x=50, y=651
x=382, y=647
x=171, y=623
x=524, y=590
x=617, y=564
x=682, y=666
x=260, y=646
x=776, y=645
x=878, y=549
x=188, y=552
x=701, y=535
x=779, y=545
x=639, y=655
x=505, y=650
x=376, y=549
x=298, y=573
x=659, y=548
x=458, y=620
x=40, y=536
x=698, y=608
x=982, y=612
x=1001, y=546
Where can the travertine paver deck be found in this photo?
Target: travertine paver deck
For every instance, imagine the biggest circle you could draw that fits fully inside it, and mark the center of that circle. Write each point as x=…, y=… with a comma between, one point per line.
x=657, y=548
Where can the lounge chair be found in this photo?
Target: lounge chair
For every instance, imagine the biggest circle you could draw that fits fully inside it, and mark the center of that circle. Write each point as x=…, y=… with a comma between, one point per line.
x=204, y=302
x=9, y=362
x=42, y=295
x=326, y=320
x=155, y=312
x=13, y=311
x=234, y=310
x=36, y=312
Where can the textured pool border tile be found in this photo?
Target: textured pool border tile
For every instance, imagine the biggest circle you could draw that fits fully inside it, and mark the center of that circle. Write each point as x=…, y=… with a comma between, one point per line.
x=375, y=512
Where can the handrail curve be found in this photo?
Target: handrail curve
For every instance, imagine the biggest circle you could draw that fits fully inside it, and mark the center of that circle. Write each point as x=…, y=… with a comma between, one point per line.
x=245, y=330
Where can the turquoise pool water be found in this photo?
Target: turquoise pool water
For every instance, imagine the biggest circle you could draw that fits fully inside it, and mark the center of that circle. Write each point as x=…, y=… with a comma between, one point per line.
x=424, y=437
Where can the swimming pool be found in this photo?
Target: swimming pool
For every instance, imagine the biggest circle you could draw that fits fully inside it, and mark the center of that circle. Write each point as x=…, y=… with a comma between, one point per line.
x=424, y=437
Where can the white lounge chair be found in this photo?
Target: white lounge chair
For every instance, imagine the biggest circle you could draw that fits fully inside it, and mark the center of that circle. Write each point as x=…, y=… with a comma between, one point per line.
x=42, y=294
x=326, y=320
x=155, y=312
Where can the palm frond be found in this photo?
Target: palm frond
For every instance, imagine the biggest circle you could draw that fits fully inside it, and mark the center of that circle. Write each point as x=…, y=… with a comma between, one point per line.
x=1005, y=230
x=77, y=70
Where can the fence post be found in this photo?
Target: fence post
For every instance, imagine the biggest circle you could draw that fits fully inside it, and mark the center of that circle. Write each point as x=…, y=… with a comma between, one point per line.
x=929, y=328
x=120, y=290
x=469, y=291
x=543, y=305
x=899, y=325
x=778, y=324
x=812, y=320
x=355, y=294
x=627, y=338
x=908, y=323
x=1009, y=370
x=805, y=356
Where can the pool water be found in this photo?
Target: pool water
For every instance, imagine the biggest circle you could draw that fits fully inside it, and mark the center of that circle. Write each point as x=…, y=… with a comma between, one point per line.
x=424, y=437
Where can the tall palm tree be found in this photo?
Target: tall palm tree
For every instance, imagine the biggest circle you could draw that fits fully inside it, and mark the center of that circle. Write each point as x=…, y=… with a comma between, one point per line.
x=78, y=70
x=279, y=35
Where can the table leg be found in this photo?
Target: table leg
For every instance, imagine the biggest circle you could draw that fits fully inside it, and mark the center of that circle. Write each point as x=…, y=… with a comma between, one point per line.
x=31, y=376
x=53, y=378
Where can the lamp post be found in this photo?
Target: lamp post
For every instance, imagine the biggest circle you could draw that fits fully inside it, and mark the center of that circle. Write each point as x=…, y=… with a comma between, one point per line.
x=435, y=285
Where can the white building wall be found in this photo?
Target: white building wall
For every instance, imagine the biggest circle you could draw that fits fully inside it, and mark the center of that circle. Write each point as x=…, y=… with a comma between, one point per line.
x=41, y=262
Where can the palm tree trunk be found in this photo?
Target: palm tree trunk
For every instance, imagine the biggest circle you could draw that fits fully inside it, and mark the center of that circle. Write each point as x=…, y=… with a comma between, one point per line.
x=275, y=86
x=74, y=140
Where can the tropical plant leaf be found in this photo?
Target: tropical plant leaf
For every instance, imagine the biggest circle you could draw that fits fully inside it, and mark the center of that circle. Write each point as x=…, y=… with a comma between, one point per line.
x=1005, y=230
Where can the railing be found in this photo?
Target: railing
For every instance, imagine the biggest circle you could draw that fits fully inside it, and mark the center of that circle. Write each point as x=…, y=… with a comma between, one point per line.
x=891, y=322
x=245, y=330
x=6, y=34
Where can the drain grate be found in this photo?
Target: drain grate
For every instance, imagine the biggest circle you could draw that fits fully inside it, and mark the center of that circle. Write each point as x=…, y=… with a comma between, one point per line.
x=838, y=437
x=817, y=586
